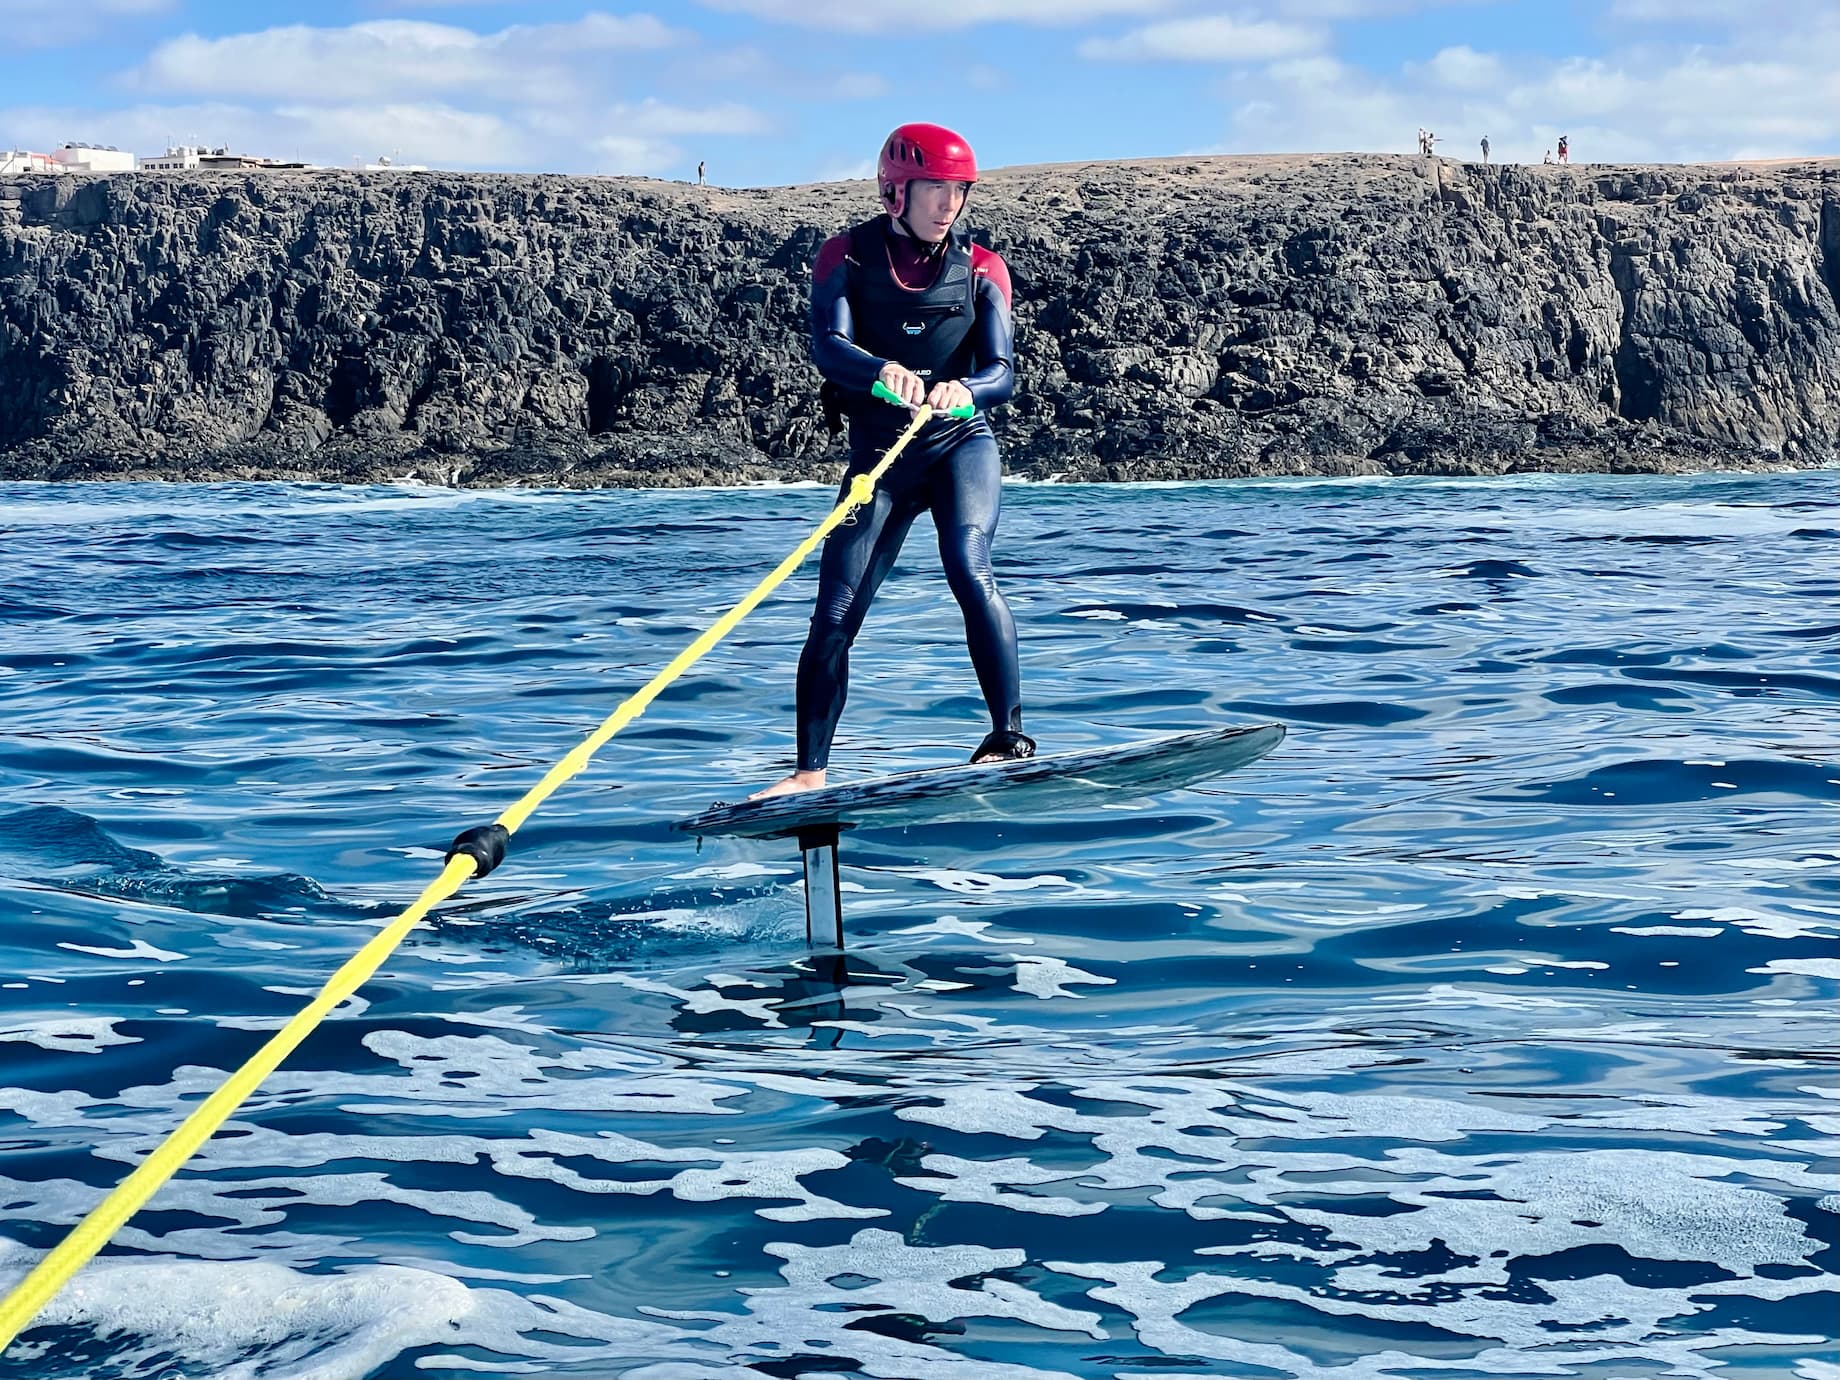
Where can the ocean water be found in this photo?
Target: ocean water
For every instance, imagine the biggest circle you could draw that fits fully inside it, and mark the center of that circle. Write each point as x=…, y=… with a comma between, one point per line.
x=1483, y=1029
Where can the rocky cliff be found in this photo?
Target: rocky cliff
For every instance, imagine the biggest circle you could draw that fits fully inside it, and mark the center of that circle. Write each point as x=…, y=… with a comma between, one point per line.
x=1183, y=317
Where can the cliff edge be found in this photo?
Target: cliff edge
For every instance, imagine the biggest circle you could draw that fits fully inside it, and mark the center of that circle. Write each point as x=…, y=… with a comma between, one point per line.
x=1187, y=317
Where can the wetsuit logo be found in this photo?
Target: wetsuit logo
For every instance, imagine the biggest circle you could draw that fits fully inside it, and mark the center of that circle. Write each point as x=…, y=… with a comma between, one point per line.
x=912, y=329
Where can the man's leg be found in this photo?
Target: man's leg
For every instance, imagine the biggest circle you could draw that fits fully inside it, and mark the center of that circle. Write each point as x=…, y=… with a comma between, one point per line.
x=857, y=558
x=967, y=499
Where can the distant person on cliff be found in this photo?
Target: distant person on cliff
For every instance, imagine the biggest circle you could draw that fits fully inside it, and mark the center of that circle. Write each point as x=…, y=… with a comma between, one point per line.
x=1485, y=148
x=907, y=300
x=699, y=171
x=1565, y=149
x=1548, y=158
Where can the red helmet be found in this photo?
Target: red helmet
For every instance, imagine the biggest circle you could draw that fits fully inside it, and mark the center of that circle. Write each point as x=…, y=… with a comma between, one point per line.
x=921, y=151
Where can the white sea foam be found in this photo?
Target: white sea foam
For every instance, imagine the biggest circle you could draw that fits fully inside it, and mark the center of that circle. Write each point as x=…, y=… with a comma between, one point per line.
x=1802, y=864
x=140, y=949
x=964, y=882
x=238, y=1322
x=988, y=1181
x=830, y=1287
x=1805, y=967
x=951, y=926
x=1809, y=923
x=64, y=1108
x=1042, y=976
x=1649, y=520
x=1116, y=1120
x=1223, y=1150
x=735, y=871
x=70, y=1034
x=256, y=1320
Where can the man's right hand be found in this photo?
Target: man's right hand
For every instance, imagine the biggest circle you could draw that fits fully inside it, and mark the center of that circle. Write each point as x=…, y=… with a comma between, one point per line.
x=904, y=383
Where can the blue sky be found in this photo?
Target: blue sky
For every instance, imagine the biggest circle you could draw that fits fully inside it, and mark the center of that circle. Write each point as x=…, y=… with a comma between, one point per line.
x=782, y=91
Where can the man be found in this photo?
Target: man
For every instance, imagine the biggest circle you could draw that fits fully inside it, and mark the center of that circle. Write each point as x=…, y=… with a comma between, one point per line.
x=906, y=300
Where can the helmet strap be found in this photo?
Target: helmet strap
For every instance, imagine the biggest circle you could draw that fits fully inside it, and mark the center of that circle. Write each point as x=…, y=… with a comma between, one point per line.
x=927, y=247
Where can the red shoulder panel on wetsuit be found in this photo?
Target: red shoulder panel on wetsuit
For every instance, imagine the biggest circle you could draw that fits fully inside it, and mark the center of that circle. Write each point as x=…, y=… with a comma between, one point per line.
x=830, y=254
x=987, y=263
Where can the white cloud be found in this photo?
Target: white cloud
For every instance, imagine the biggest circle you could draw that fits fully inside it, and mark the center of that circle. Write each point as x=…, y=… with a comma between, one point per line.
x=1361, y=9
x=402, y=58
x=59, y=23
x=634, y=138
x=332, y=137
x=539, y=96
x=1316, y=104
x=800, y=76
x=437, y=135
x=846, y=170
x=725, y=65
x=655, y=118
x=984, y=76
x=1768, y=93
x=566, y=96
x=859, y=86
x=631, y=156
x=871, y=16
x=1206, y=38
x=1462, y=68
x=1681, y=11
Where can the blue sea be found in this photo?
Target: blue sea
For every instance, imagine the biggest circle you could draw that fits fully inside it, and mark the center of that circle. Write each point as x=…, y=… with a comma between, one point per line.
x=1485, y=1028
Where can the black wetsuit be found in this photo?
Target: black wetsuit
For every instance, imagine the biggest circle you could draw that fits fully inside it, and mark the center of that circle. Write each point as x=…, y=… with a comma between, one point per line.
x=950, y=469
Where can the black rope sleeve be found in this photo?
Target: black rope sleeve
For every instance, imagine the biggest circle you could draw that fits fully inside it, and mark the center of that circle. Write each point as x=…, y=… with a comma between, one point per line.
x=485, y=844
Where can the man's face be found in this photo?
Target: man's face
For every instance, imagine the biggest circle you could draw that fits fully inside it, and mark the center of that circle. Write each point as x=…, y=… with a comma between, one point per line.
x=932, y=207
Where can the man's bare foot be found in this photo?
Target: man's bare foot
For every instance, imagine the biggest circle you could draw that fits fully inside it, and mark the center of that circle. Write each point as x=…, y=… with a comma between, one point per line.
x=790, y=785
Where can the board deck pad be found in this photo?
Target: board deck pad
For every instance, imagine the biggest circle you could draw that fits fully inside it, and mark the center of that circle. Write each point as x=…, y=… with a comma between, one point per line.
x=1030, y=789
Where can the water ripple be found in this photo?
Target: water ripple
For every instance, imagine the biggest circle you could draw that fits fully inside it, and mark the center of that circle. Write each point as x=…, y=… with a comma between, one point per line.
x=1483, y=1030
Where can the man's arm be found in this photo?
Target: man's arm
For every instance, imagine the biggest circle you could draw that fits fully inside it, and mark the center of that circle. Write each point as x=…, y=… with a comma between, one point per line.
x=833, y=330
x=993, y=333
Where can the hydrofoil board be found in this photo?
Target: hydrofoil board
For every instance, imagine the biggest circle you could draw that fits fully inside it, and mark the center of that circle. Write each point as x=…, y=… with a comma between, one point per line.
x=1033, y=788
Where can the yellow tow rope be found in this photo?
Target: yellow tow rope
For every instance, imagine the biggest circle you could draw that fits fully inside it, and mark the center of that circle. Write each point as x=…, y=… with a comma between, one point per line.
x=106, y=1218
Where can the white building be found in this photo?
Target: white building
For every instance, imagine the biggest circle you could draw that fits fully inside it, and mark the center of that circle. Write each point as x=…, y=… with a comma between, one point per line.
x=93, y=158
x=385, y=163
x=187, y=158
x=179, y=159
x=14, y=161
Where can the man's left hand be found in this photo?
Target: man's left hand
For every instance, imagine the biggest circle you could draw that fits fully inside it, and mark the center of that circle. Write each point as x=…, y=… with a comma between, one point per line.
x=948, y=394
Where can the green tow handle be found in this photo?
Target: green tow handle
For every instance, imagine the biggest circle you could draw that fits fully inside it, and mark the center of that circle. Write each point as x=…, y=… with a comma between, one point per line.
x=887, y=394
